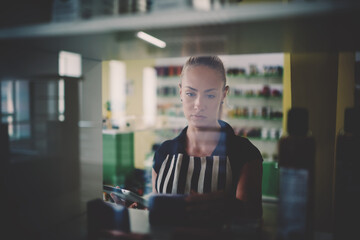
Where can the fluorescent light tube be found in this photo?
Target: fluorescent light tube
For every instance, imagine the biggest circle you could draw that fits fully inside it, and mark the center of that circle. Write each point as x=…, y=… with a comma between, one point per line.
x=150, y=39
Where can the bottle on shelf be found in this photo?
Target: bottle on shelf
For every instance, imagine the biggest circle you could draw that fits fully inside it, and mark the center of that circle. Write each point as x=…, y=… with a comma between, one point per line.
x=168, y=71
x=255, y=112
x=260, y=133
x=296, y=188
x=273, y=71
x=347, y=180
x=235, y=71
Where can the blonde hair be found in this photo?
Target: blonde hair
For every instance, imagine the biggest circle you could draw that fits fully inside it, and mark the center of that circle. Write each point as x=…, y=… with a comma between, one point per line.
x=213, y=62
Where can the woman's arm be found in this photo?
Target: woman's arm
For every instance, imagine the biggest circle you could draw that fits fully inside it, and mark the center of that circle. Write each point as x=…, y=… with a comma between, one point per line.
x=153, y=179
x=248, y=190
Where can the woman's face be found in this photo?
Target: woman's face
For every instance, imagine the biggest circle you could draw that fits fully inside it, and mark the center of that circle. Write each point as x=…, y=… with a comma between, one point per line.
x=202, y=91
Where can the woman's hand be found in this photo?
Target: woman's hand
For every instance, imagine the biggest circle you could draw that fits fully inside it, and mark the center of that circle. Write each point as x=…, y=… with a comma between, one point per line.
x=127, y=204
x=116, y=199
x=137, y=206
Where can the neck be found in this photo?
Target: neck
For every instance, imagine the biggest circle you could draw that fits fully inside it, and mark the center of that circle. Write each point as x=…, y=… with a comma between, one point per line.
x=202, y=141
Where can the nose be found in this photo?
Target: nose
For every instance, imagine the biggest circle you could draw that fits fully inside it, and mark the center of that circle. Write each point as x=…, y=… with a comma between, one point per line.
x=199, y=103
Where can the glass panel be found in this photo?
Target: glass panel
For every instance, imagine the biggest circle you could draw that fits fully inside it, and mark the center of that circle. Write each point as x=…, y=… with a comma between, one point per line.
x=15, y=107
x=10, y=121
x=61, y=100
x=22, y=101
x=23, y=131
x=7, y=103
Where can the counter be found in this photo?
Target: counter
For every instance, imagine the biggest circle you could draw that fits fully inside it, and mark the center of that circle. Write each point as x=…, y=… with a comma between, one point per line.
x=140, y=228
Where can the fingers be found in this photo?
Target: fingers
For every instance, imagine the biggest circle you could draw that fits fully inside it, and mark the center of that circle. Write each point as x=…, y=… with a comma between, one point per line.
x=119, y=201
x=137, y=206
x=116, y=199
x=133, y=205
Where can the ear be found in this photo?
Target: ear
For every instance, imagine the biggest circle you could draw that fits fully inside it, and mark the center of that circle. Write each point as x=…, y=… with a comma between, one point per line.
x=225, y=92
x=180, y=89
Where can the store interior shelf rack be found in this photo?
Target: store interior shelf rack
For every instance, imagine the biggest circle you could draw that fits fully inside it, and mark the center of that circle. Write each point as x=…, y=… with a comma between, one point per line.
x=243, y=12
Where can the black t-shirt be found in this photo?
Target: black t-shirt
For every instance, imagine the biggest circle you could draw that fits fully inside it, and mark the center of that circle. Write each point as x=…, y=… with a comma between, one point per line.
x=179, y=173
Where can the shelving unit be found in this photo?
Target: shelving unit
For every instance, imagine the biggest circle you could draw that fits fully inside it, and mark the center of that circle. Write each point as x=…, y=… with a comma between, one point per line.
x=247, y=106
x=183, y=18
x=257, y=97
x=258, y=118
x=236, y=29
x=253, y=119
x=261, y=123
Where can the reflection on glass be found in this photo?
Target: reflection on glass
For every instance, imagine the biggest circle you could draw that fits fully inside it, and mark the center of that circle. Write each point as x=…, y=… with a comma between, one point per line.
x=15, y=108
x=61, y=100
x=253, y=107
x=28, y=128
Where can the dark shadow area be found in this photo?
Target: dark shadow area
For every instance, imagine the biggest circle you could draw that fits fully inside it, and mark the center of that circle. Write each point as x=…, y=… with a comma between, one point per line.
x=40, y=174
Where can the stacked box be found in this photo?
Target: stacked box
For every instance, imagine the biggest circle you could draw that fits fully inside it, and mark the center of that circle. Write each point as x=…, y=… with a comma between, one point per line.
x=118, y=157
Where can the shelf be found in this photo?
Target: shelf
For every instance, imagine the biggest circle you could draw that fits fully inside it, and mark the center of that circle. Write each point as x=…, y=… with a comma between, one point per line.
x=168, y=78
x=169, y=96
x=257, y=76
x=262, y=139
x=255, y=80
x=168, y=122
x=232, y=77
x=256, y=118
x=240, y=13
x=270, y=199
x=255, y=97
x=177, y=97
x=166, y=83
x=169, y=100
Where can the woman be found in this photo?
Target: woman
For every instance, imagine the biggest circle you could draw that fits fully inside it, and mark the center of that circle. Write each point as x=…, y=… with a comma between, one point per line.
x=207, y=160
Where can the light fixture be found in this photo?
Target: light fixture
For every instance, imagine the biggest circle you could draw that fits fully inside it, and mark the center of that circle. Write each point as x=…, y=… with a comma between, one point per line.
x=69, y=64
x=150, y=39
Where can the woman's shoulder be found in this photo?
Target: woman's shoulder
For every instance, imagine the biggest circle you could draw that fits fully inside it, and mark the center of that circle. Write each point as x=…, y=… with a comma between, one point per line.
x=242, y=146
x=168, y=147
x=172, y=146
x=242, y=141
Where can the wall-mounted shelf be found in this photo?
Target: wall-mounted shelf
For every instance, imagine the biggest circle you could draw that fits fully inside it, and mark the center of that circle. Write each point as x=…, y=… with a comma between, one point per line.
x=168, y=78
x=175, y=19
x=255, y=79
x=255, y=97
x=239, y=123
x=263, y=139
x=258, y=118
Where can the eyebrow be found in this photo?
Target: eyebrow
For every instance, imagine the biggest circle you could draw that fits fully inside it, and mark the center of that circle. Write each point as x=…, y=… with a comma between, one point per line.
x=208, y=90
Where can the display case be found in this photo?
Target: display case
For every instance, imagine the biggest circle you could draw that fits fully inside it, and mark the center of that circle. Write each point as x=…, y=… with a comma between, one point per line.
x=254, y=109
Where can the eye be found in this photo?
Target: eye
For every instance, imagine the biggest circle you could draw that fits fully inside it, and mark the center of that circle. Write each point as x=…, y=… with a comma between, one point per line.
x=190, y=94
x=211, y=96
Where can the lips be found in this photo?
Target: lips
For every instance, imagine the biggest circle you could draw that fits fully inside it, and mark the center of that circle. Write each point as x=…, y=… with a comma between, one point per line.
x=198, y=116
